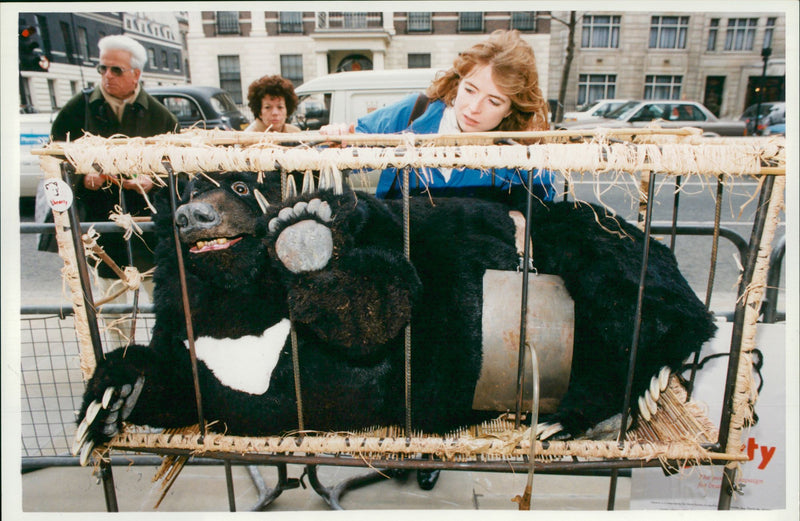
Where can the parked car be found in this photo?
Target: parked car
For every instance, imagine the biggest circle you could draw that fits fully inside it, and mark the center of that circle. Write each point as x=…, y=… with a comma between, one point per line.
x=772, y=113
x=34, y=132
x=343, y=97
x=201, y=106
x=593, y=111
x=670, y=114
x=778, y=129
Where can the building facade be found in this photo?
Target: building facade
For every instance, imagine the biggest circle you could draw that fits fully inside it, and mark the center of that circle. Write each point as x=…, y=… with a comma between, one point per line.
x=711, y=57
x=231, y=49
x=714, y=58
x=69, y=42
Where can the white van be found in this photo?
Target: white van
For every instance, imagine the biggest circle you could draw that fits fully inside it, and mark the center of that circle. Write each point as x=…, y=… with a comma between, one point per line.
x=34, y=133
x=344, y=97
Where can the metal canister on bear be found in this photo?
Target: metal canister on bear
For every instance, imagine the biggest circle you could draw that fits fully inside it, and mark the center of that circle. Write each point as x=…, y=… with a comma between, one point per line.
x=550, y=330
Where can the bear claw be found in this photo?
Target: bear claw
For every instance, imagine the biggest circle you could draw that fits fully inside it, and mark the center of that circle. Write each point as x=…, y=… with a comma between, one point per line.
x=130, y=400
x=118, y=403
x=547, y=430
x=316, y=207
x=648, y=402
x=86, y=453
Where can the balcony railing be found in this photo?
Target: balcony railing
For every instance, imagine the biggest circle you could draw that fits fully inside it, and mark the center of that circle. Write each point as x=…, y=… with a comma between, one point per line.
x=340, y=21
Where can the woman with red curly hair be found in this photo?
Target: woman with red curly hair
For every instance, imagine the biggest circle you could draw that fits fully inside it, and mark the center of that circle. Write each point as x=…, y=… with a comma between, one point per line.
x=492, y=86
x=272, y=100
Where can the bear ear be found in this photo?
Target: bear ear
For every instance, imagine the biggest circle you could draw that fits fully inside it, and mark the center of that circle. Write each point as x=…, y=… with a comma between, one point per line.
x=262, y=201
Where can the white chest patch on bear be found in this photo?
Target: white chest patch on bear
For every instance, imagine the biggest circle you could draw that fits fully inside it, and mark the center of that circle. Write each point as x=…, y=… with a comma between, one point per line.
x=244, y=363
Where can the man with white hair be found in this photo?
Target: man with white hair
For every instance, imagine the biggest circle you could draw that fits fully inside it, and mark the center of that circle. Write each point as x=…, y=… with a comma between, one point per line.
x=118, y=105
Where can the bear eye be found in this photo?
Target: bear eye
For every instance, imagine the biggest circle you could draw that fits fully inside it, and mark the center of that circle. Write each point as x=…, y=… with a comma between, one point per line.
x=241, y=188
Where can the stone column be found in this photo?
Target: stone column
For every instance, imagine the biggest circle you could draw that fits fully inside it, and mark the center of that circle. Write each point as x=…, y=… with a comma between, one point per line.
x=195, y=24
x=258, y=27
x=322, y=62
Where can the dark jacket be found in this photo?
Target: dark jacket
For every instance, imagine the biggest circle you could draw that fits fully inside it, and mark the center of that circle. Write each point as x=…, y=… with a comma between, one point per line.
x=143, y=118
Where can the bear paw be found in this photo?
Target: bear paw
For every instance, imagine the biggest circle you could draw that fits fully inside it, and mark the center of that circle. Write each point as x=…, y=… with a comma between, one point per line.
x=103, y=418
x=304, y=242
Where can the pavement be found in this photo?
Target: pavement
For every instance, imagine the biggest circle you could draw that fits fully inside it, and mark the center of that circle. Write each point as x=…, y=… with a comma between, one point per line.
x=202, y=488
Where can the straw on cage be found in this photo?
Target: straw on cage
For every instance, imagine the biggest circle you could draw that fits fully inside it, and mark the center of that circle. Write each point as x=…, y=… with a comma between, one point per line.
x=677, y=432
x=145, y=157
x=745, y=394
x=197, y=153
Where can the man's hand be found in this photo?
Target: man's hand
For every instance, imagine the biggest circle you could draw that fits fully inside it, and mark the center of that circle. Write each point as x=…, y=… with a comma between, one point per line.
x=141, y=184
x=94, y=181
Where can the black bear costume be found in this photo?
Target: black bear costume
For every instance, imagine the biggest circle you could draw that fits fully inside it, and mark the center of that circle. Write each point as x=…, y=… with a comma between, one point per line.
x=333, y=266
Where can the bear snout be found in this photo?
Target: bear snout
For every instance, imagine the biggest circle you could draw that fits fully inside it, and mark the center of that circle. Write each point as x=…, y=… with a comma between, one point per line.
x=194, y=217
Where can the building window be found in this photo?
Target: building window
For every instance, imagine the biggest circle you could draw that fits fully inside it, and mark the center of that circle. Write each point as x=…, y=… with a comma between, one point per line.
x=470, y=22
x=523, y=20
x=290, y=22
x=292, y=68
x=227, y=22
x=73, y=87
x=355, y=20
x=25, y=98
x=713, y=29
x=419, y=22
x=69, y=45
x=600, y=31
x=151, y=57
x=419, y=61
x=51, y=90
x=662, y=87
x=592, y=87
x=44, y=32
x=668, y=32
x=768, y=32
x=230, y=77
x=164, y=60
x=176, y=61
x=83, y=43
x=741, y=34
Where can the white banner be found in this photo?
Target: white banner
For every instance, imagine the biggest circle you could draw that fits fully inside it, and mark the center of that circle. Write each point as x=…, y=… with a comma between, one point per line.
x=764, y=476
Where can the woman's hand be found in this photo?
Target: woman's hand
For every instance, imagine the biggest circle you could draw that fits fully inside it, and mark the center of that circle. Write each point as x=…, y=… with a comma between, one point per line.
x=337, y=129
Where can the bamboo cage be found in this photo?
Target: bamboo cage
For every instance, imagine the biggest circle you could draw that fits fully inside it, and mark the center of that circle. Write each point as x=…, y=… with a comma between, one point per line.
x=677, y=435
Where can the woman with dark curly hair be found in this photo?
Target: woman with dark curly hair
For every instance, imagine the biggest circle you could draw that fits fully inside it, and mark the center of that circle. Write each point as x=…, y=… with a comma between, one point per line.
x=272, y=100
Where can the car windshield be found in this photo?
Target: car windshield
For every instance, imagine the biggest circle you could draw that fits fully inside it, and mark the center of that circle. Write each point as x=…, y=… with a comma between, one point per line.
x=751, y=110
x=587, y=107
x=223, y=103
x=623, y=110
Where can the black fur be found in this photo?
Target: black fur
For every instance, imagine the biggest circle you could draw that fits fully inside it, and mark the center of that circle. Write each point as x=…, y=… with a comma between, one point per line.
x=350, y=316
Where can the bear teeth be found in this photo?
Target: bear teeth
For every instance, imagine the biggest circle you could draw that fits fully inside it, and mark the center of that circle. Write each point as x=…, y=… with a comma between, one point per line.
x=202, y=244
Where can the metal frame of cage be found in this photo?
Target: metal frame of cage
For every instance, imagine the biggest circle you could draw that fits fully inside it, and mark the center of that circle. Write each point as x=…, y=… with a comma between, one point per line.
x=560, y=467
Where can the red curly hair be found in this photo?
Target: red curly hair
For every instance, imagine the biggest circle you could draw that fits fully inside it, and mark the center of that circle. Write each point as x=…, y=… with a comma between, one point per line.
x=513, y=71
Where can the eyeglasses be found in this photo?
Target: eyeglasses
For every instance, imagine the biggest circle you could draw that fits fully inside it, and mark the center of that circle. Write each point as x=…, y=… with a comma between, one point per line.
x=116, y=71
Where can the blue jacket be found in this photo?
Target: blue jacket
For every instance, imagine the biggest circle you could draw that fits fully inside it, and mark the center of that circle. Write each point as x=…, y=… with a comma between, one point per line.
x=463, y=182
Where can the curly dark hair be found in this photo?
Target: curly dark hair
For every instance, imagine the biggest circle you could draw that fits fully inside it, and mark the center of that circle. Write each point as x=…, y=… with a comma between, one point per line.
x=276, y=86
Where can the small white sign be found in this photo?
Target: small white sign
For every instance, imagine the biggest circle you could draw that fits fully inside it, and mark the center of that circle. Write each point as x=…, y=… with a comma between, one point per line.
x=58, y=194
